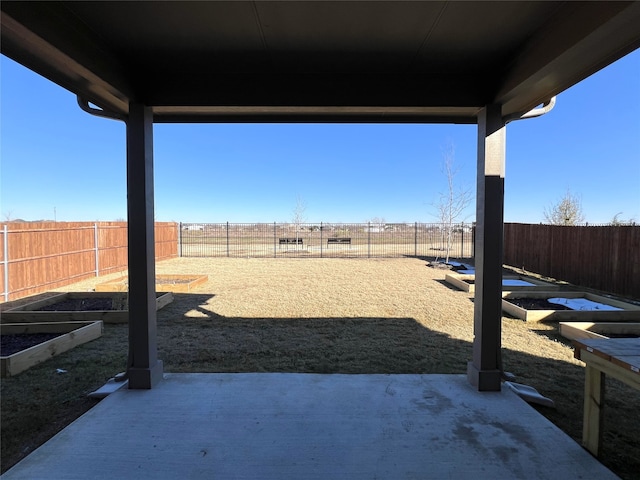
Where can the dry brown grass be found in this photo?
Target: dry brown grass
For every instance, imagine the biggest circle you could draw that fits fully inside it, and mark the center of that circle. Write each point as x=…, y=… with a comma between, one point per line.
x=328, y=316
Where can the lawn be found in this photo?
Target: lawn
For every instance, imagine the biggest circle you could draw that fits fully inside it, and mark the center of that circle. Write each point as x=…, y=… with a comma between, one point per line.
x=319, y=316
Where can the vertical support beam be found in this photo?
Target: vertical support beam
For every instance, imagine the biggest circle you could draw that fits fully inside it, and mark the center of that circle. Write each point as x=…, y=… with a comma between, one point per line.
x=593, y=403
x=144, y=369
x=484, y=371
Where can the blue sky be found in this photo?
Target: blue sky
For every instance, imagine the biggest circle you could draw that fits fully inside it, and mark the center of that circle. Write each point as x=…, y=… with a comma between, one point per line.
x=58, y=162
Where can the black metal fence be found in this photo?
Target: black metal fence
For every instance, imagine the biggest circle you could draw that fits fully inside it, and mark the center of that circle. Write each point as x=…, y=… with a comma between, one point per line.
x=324, y=240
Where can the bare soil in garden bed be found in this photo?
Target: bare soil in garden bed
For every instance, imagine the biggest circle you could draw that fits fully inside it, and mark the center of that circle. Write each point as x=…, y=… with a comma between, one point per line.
x=79, y=304
x=88, y=304
x=16, y=342
x=536, y=304
x=315, y=316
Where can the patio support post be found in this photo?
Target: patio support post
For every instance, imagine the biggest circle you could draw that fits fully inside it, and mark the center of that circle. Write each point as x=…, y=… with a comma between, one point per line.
x=484, y=371
x=144, y=369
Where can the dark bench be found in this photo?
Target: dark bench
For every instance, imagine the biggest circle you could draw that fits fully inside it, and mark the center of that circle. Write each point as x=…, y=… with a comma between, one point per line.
x=339, y=241
x=290, y=241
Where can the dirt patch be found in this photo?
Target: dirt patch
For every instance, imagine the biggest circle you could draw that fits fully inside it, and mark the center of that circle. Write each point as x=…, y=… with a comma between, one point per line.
x=80, y=304
x=16, y=342
x=89, y=304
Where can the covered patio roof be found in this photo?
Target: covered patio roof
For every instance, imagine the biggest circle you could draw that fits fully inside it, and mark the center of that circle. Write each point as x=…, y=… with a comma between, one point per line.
x=361, y=61
x=353, y=61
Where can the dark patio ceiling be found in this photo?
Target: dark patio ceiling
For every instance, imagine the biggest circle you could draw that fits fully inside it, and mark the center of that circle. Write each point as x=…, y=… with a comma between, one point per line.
x=360, y=61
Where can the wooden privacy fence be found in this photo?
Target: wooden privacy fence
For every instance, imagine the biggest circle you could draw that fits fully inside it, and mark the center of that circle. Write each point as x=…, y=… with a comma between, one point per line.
x=605, y=258
x=38, y=256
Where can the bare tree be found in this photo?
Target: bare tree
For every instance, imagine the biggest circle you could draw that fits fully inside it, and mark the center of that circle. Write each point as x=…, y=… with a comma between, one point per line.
x=454, y=201
x=566, y=211
x=299, y=215
x=377, y=224
x=616, y=221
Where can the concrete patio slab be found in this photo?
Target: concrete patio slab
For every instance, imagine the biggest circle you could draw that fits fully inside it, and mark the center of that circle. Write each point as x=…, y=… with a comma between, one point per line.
x=307, y=426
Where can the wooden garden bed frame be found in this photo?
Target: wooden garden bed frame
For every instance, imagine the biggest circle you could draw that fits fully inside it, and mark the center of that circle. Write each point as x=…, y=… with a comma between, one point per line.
x=630, y=311
x=580, y=330
x=458, y=280
x=163, y=283
x=72, y=334
x=30, y=312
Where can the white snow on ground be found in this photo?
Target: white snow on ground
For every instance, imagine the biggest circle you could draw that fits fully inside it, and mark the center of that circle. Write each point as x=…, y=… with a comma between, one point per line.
x=456, y=264
x=515, y=282
x=581, y=304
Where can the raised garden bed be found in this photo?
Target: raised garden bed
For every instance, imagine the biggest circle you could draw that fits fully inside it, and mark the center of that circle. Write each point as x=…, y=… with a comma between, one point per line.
x=164, y=283
x=466, y=283
x=578, y=330
x=79, y=306
x=535, y=306
x=27, y=344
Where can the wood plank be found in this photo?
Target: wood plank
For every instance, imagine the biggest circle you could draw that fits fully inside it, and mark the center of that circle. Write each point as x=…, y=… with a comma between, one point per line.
x=630, y=311
x=601, y=330
x=164, y=300
x=593, y=402
x=20, y=361
x=611, y=346
x=624, y=374
x=48, y=327
x=162, y=283
x=38, y=303
x=632, y=362
x=20, y=315
x=107, y=316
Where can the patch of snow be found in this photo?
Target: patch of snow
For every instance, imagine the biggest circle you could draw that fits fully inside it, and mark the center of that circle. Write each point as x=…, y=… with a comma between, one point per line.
x=514, y=282
x=582, y=304
x=460, y=264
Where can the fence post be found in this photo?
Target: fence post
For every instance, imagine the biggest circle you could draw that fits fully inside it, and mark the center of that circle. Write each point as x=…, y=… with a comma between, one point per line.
x=369, y=240
x=5, y=249
x=95, y=242
x=473, y=240
x=274, y=240
x=228, y=255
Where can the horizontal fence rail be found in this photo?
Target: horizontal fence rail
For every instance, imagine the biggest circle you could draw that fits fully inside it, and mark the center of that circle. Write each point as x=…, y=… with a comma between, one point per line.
x=38, y=256
x=324, y=240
